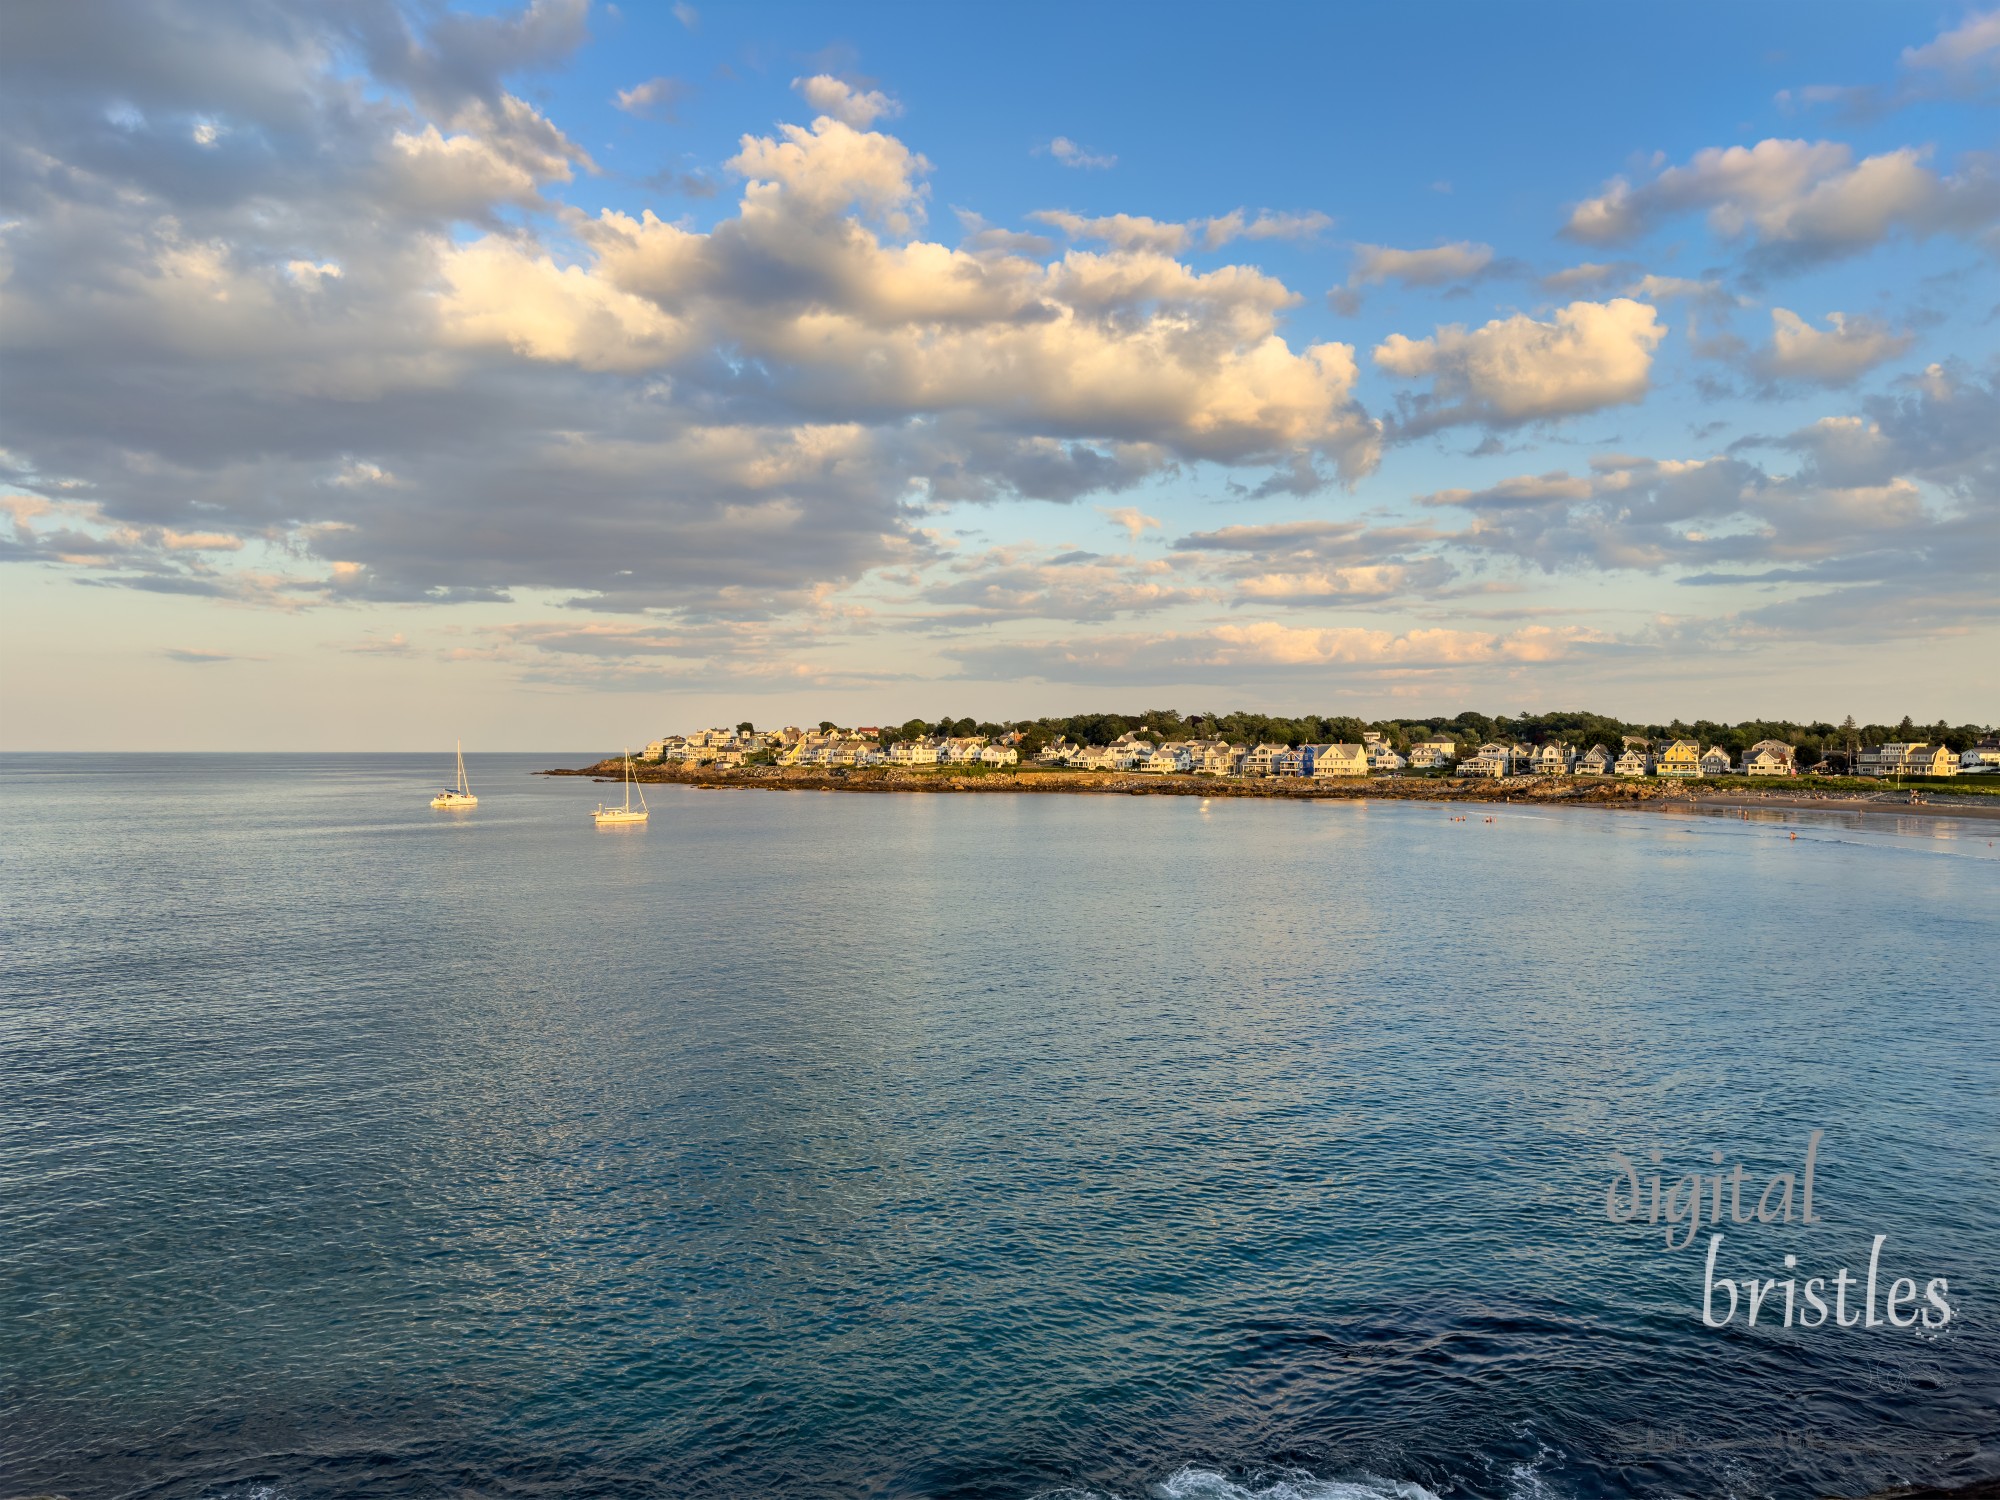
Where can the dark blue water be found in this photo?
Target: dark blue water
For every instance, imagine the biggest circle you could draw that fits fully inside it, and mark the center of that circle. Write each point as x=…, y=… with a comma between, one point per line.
x=819, y=1145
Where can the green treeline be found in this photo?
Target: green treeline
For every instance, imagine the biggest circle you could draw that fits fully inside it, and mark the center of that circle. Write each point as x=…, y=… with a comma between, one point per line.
x=1814, y=742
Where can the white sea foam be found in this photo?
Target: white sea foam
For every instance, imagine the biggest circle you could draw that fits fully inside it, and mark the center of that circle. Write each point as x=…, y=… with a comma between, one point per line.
x=1191, y=1483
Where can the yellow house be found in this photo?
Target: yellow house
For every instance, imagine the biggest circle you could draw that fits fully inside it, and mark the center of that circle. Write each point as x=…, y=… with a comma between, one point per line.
x=1340, y=760
x=1681, y=758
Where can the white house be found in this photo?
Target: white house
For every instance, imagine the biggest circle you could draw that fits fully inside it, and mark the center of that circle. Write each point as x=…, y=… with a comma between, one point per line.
x=1131, y=755
x=1982, y=759
x=1432, y=755
x=1715, y=761
x=913, y=753
x=1596, y=761
x=1383, y=759
x=1636, y=761
x=1771, y=758
x=999, y=755
x=1258, y=762
x=1908, y=760
x=1553, y=759
x=1170, y=760
x=1492, y=760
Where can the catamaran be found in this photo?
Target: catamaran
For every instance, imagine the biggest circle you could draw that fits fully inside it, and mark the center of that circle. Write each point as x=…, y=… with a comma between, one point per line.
x=460, y=795
x=628, y=813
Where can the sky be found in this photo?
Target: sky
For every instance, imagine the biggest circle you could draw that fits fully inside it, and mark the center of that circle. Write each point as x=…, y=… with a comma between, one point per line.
x=374, y=375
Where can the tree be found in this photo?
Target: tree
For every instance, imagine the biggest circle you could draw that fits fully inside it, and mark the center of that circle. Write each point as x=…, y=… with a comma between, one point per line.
x=746, y=727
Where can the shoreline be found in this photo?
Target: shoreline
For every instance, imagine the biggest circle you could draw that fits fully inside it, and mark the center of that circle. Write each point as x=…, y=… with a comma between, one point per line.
x=1532, y=791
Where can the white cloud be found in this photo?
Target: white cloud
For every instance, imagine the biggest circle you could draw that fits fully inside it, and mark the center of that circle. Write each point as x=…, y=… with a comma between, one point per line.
x=1589, y=355
x=1375, y=264
x=657, y=98
x=1135, y=521
x=1799, y=200
x=1070, y=154
x=1172, y=237
x=1681, y=288
x=1975, y=41
x=842, y=101
x=1843, y=351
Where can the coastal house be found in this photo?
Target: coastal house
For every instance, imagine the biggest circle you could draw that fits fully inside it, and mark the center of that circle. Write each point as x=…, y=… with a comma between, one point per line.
x=1715, y=761
x=1982, y=759
x=1432, y=755
x=999, y=755
x=1553, y=759
x=1384, y=760
x=1636, y=761
x=1491, y=760
x=1260, y=758
x=1900, y=759
x=913, y=753
x=1130, y=754
x=1292, y=762
x=1170, y=759
x=1681, y=758
x=1771, y=758
x=1340, y=760
x=1056, y=752
x=1596, y=761
x=1097, y=758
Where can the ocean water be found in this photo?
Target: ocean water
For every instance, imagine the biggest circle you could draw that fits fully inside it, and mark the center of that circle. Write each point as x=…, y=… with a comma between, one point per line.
x=972, y=1146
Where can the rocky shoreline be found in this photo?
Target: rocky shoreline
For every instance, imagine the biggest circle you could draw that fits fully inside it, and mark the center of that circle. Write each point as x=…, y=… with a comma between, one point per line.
x=1566, y=791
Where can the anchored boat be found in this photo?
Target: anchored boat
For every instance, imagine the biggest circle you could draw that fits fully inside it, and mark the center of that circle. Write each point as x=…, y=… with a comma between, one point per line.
x=606, y=814
x=460, y=795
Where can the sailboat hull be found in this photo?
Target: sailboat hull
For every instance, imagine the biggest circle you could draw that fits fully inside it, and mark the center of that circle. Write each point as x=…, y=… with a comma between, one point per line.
x=607, y=816
x=454, y=799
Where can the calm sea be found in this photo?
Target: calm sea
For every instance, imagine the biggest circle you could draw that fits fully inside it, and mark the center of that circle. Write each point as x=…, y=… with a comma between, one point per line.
x=979, y=1146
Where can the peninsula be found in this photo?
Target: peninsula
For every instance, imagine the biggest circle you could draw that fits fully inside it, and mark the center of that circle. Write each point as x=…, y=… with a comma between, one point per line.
x=1566, y=758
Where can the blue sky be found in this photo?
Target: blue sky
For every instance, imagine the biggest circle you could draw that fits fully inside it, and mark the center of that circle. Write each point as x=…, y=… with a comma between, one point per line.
x=383, y=373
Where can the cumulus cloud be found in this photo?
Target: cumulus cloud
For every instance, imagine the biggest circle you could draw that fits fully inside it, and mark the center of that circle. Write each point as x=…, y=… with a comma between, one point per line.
x=1319, y=562
x=1702, y=292
x=1135, y=521
x=844, y=102
x=1231, y=654
x=1588, y=276
x=372, y=359
x=1070, y=154
x=1375, y=264
x=1960, y=63
x=1588, y=356
x=1172, y=237
x=1797, y=200
x=655, y=99
x=1887, y=520
x=1974, y=43
x=1836, y=355
x=1029, y=583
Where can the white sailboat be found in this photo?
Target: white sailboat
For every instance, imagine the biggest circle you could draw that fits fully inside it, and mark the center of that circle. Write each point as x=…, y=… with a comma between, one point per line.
x=606, y=814
x=460, y=795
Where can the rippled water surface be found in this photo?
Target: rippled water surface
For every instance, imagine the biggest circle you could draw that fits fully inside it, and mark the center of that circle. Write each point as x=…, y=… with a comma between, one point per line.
x=967, y=1146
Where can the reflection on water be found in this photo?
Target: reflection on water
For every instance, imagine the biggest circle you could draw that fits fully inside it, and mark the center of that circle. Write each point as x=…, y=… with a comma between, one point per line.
x=964, y=1146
